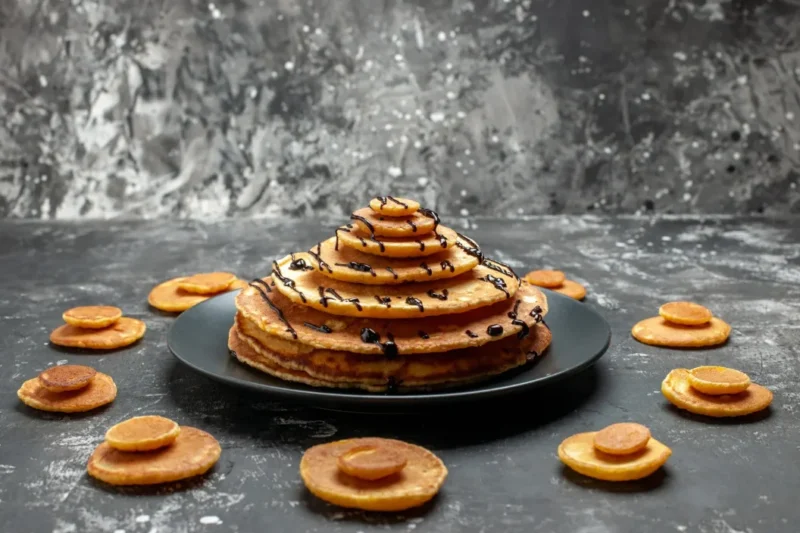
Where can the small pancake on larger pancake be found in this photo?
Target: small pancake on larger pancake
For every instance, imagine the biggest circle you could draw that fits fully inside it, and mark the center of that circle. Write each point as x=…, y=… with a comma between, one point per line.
x=350, y=265
x=293, y=321
x=329, y=368
x=404, y=247
x=479, y=287
x=412, y=226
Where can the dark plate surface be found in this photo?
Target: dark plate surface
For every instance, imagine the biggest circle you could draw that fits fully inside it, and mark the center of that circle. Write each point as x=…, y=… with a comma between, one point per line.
x=199, y=339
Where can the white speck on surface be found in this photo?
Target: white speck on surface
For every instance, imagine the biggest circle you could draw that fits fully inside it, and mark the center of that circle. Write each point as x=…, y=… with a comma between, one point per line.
x=586, y=13
x=442, y=36
x=422, y=181
x=680, y=56
x=464, y=213
x=42, y=81
x=666, y=238
x=141, y=519
x=289, y=66
x=395, y=172
x=210, y=520
x=451, y=95
x=646, y=96
x=789, y=116
x=437, y=116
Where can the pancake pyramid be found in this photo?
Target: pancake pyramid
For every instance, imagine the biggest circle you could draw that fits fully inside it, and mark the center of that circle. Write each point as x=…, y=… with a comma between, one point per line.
x=393, y=301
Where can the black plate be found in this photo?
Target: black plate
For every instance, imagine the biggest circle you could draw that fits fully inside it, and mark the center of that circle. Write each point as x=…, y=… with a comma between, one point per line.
x=199, y=338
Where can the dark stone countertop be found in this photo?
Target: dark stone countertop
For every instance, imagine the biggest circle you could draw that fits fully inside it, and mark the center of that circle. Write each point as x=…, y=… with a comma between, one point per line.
x=724, y=476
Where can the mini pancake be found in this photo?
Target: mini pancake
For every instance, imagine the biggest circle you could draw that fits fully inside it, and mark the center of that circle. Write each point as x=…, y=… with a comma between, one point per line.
x=659, y=332
x=411, y=226
x=169, y=297
x=717, y=380
x=409, y=371
x=100, y=391
x=677, y=389
x=372, y=459
x=393, y=207
x=92, y=316
x=350, y=265
x=142, y=433
x=123, y=332
x=63, y=378
x=573, y=289
x=418, y=482
x=237, y=284
x=207, y=283
x=406, y=247
x=685, y=313
x=622, y=439
x=480, y=287
x=578, y=453
x=275, y=314
x=549, y=279
x=193, y=453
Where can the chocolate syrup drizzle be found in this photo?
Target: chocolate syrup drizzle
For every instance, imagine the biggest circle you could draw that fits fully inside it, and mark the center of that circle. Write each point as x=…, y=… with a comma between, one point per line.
x=525, y=331
x=384, y=300
x=497, y=266
x=447, y=264
x=435, y=216
x=336, y=296
x=421, y=245
x=257, y=284
x=276, y=270
x=371, y=230
x=497, y=283
x=427, y=269
x=360, y=267
x=415, y=301
x=442, y=296
x=423, y=335
x=389, y=348
x=494, y=330
x=384, y=199
x=392, y=272
x=299, y=264
x=322, y=329
x=474, y=250
x=318, y=257
x=413, y=226
x=471, y=335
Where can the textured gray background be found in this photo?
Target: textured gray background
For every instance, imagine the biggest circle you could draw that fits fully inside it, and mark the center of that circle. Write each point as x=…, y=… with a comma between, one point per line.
x=271, y=107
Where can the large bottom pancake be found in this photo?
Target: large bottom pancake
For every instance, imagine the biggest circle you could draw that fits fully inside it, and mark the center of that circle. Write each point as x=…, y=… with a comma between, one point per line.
x=277, y=315
x=327, y=368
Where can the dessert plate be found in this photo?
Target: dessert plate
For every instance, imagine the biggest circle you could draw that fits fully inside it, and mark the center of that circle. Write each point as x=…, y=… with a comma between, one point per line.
x=199, y=338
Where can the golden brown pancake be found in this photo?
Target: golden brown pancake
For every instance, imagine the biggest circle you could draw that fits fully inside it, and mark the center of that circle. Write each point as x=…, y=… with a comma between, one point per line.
x=411, y=226
x=404, y=247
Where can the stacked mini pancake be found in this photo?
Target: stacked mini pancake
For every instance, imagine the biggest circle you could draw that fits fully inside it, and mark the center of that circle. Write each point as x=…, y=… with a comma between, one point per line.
x=394, y=301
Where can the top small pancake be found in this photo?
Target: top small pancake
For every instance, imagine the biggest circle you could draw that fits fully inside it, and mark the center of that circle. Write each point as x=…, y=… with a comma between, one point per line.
x=415, y=225
x=479, y=287
x=393, y=207
x=432, y=243
x=348, y=264
x=279, y=316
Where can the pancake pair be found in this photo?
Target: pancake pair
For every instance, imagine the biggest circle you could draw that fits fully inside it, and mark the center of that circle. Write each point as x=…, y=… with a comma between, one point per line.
x=393, y=302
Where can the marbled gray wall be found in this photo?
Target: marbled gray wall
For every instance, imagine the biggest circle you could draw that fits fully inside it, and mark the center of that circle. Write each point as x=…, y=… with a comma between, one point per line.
x=266, y=107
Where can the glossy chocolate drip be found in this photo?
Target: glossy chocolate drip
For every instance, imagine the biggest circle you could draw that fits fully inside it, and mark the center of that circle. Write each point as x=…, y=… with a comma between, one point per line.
x=389, y=348
x=513, y=312
x=447, y=264
x=384, y=300
x=413, y=226
x=435, y=216
x=322, y=329
x=262, y=283
x=276, y=270
x=501, y=267
x=426, y=268
x=335, y=296
x=497, y=283
x=471, y=335
x=438, y=296
x=299, y=264
x=392, y=272
x=473, y=249
x=318, y=258
x=360, y=267
x=421, y=245
x=415, y=301
x=382, y=200
x=371, y=229
x=336, y=246
x=536, y=313
x=256, y=284
x=533, y=354
x=370, y=336
x=396, y=201
x=423, y=335
x=494, y=330
x=525, y=331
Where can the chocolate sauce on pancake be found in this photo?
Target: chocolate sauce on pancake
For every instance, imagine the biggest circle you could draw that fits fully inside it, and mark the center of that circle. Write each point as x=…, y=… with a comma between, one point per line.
x=392, y=385
x=413, y=226
x=336, y=296
x=513, y=312
x=471, y=335
x=322, y=329
x=396, y=201
x=392, y=272
x=427, y=269
x=262, y=283
x=384, y=300
x=415, y=301
x=497, y=283
x=447, y=264
x=389, y=348
x=494, y=330
x=473, y=249
x=371, y=231
x=320, y=262
x=438, y=296
x=423, y=335
x=299, y=264
x=498, y=267
x=276, y=270
x=435, y=216
x=257, y=285
x=525, y=331
x=360, y=267
x=421, y=245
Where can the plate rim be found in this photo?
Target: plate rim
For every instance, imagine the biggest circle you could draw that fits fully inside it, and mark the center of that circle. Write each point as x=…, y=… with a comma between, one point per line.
x=371, y=398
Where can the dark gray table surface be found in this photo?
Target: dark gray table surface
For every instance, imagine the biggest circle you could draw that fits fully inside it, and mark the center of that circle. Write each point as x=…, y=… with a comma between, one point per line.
x=723, y=477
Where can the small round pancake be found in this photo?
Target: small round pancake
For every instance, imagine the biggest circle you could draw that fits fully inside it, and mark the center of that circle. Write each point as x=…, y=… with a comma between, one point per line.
x=92, y=316
x=63, y=378
x=421, y=246
x=350, y=265
x=479, y=287
x=410, y=227
x=677, y=389
x=193, y=453
x=237, y=285
x=417, y=483
x=622, y=439
x=123, y=332
x=393, y=207
x=207, y=283
x=549, y=279
x=685, y=313
x=573, y=289
x=659, y=332
x=578, y=453
x=373, y=459
x=275, y=314
x=169, y=297
x=100, y=391
x=142, y=433
x=717, y=380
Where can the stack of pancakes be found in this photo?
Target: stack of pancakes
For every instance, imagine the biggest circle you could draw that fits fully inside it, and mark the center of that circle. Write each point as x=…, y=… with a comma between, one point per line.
x=393, y=302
